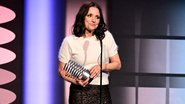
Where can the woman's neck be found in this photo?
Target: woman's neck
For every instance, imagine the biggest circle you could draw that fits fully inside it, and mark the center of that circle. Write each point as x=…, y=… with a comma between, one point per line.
x=88, y=34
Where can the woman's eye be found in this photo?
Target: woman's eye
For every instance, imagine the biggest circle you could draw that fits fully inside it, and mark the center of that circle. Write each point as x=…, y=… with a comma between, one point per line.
x=98, y=17
x=89, y=15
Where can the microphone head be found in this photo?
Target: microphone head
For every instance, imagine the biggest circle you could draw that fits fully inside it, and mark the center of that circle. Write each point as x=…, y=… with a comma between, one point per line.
x=99, y=34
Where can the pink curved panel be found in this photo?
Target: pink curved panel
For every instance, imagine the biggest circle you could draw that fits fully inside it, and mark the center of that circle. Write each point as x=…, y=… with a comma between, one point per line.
x=6, y=76
x=7, y=96
x=6, y=56
x=6, y=14
x=6, y=36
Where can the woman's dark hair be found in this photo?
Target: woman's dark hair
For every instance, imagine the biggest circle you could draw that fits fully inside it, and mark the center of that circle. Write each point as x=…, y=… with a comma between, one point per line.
x=79, y=26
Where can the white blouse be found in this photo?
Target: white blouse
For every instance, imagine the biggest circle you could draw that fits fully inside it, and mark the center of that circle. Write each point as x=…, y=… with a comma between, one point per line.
x=86, y=52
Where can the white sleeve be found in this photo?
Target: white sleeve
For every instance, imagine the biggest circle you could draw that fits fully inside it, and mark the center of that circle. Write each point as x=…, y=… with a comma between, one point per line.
x=64, y=54
x=111, y=44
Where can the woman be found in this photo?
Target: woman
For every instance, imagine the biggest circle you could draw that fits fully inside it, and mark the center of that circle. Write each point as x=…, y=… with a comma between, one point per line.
x=83, y=46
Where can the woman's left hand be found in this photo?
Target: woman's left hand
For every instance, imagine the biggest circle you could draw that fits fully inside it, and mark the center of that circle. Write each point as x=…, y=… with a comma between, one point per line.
x=82, y=82
x=95, y=71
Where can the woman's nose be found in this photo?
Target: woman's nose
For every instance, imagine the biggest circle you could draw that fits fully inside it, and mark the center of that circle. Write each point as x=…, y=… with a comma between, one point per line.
x=93, y=20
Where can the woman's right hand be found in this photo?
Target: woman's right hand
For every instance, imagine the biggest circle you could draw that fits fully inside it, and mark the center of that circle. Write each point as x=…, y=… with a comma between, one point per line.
x=68, y=77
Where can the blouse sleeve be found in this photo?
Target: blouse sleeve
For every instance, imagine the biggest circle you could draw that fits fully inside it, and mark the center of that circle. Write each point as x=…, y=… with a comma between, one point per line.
x=64, y=54
x=111, y=44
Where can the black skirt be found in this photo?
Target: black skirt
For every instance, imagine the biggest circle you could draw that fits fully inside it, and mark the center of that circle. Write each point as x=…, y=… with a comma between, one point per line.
x=89, y=94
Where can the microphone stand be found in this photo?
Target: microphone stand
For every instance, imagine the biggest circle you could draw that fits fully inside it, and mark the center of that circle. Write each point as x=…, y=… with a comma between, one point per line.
x=101, y=70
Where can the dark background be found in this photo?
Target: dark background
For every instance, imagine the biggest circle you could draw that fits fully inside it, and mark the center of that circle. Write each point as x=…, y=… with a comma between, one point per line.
x=150, y=35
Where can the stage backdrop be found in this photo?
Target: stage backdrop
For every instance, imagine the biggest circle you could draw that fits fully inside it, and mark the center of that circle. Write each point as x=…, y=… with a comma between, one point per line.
x=11, y=34
x=151, y=39
x=30, y=35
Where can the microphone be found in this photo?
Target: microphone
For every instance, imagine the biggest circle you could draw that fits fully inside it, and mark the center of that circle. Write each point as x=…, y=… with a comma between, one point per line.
x=77, y=70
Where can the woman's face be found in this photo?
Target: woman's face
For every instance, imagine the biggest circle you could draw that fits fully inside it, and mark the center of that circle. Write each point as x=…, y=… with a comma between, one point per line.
x=92, y=19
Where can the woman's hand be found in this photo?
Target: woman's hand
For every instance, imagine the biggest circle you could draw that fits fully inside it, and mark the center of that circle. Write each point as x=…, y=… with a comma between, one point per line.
x=95, y=71
x=65, y=75
x=82, y=82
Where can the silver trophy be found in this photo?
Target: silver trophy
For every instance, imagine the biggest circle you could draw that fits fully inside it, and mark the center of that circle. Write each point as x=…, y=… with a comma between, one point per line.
x=77, y=70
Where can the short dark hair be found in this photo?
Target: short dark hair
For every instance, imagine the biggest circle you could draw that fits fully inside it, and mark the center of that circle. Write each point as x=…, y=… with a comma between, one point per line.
x=79, y=26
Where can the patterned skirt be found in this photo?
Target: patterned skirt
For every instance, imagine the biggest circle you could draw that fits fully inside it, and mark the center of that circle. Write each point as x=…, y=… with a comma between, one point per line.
x=89, y=94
